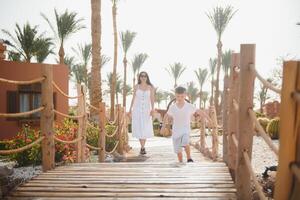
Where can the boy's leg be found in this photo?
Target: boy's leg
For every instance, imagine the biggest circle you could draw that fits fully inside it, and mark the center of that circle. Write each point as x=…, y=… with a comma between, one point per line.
x=142, y=142
x=179, y=156
x=188, y=151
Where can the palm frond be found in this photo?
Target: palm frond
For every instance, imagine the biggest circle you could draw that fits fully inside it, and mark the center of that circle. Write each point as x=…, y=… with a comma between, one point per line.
x=127, y=38
x=138, y=61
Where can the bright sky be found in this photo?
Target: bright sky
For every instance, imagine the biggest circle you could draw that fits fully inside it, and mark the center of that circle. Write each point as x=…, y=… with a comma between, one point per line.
x=174, y=31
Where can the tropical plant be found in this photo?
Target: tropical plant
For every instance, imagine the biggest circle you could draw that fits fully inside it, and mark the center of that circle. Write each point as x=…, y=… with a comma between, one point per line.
x=95, y=86
x=118, y=88
x=27, y=43
x=192, y=92
x=159, y=96
x=70, y=62
x=45, y=48
x=220, y=17
x=166, y=97
x=273, y=128
x=115, y=60
x=175, y=70
x=263, y=122
x=14, y=56
x=137, y=63
x=262, y=95
x=226, y=62
x=127, y=39
x=66, y=25
x=204, y=97
x=201, y=76
x=212, y=70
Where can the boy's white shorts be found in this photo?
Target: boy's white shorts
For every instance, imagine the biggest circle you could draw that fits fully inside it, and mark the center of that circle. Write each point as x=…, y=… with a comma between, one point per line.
x=180, y=142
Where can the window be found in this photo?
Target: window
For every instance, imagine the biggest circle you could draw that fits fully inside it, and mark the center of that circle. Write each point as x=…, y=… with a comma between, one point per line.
x=26, y=98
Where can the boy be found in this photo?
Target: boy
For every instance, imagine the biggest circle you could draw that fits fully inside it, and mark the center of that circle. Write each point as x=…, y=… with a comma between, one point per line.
x=181, y=113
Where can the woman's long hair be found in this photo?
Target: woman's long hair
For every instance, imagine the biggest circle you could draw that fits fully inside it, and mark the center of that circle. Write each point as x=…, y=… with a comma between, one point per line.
x=147, y=81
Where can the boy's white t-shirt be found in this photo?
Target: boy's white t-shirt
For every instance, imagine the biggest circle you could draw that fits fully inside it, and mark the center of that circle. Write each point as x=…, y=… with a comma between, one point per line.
x=181, y=118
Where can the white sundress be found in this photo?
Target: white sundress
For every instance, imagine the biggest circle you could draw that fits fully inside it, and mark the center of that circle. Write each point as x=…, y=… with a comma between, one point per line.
x=142, y=127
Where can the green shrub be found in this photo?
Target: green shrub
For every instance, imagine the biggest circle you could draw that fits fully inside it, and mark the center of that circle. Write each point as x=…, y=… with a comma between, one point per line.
x=110, y=142
x=263, y=122
x=273, y=128
x=26, y=136
x=258, y=114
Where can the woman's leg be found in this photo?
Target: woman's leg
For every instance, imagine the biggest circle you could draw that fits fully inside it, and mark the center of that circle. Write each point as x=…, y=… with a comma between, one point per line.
x=142, y=142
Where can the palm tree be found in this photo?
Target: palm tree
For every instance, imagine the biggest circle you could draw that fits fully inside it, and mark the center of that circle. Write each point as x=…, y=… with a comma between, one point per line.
x=45, y=48
x=220, y=17
x=66, y=25
x=201, y=76
x=159, y=96
x=127, y=39
x=95, y=75
x=70, y=62
x=226, y=62
x=26, y=41
x=14, y=56
x=137, y=63
x=118, y=88
x=176, y=71
x=166, y=96
x=81, y=70
x=192, y=92
x=204, y=97
x=114, y=78
x=212, y=70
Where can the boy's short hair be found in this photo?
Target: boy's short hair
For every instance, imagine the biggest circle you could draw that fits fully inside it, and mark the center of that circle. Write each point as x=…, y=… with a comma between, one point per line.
x=180, y=90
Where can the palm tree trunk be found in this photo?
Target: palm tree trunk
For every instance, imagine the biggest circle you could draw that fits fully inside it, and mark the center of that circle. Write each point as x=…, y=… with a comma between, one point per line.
x=61, y=54
x=113, y=91
x=133, y=80
x=217, y=92
x=212, y=93
x=96, y=93
x=124, y=84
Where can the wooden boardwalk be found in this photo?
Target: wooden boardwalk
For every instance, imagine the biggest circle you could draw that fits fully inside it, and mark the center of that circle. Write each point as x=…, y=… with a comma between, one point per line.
x=155, y=176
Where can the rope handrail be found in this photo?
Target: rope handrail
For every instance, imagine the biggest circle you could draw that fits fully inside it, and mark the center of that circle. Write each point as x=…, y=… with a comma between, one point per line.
x=92, y=147
x=68, y=116
x=114, y=149
x=265, y=82
x=91, y=106
x=63, y=93
x=262, y=132
x=37, y=80
x=6, y=152
x=111, y=122
x=68, y=142
x=296, y=170
x=256, y=183
x=112, y=135
x=92, y=126
x=21, y=114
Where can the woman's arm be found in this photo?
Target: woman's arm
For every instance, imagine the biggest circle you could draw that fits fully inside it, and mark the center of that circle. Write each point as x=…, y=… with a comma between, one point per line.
x=152, y=97
x=133, y=97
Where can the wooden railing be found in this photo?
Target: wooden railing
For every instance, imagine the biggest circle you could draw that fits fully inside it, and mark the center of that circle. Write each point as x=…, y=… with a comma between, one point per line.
x=47, y=110
x=239, y=122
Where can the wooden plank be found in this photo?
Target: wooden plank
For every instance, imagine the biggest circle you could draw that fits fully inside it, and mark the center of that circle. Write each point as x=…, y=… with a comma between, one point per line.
x=121, y=190
x=157, y=185
x=93, y=194
x=134, y=182
x=287, y=142
x=47, y=118
x=116, y=198
x=245, y=125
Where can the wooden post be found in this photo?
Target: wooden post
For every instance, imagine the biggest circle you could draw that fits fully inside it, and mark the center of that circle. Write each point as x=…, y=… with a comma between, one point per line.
x=225, y=118
x=202, y=136
x=101, y=142
x=245, y=125
x=233, y=113
x=120, y=135
x=215, y=143
x=287, y=139
x=47, y=119
x=81, y=145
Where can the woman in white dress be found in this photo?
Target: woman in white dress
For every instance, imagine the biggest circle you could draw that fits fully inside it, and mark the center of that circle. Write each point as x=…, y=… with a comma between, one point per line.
x=142, y=110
